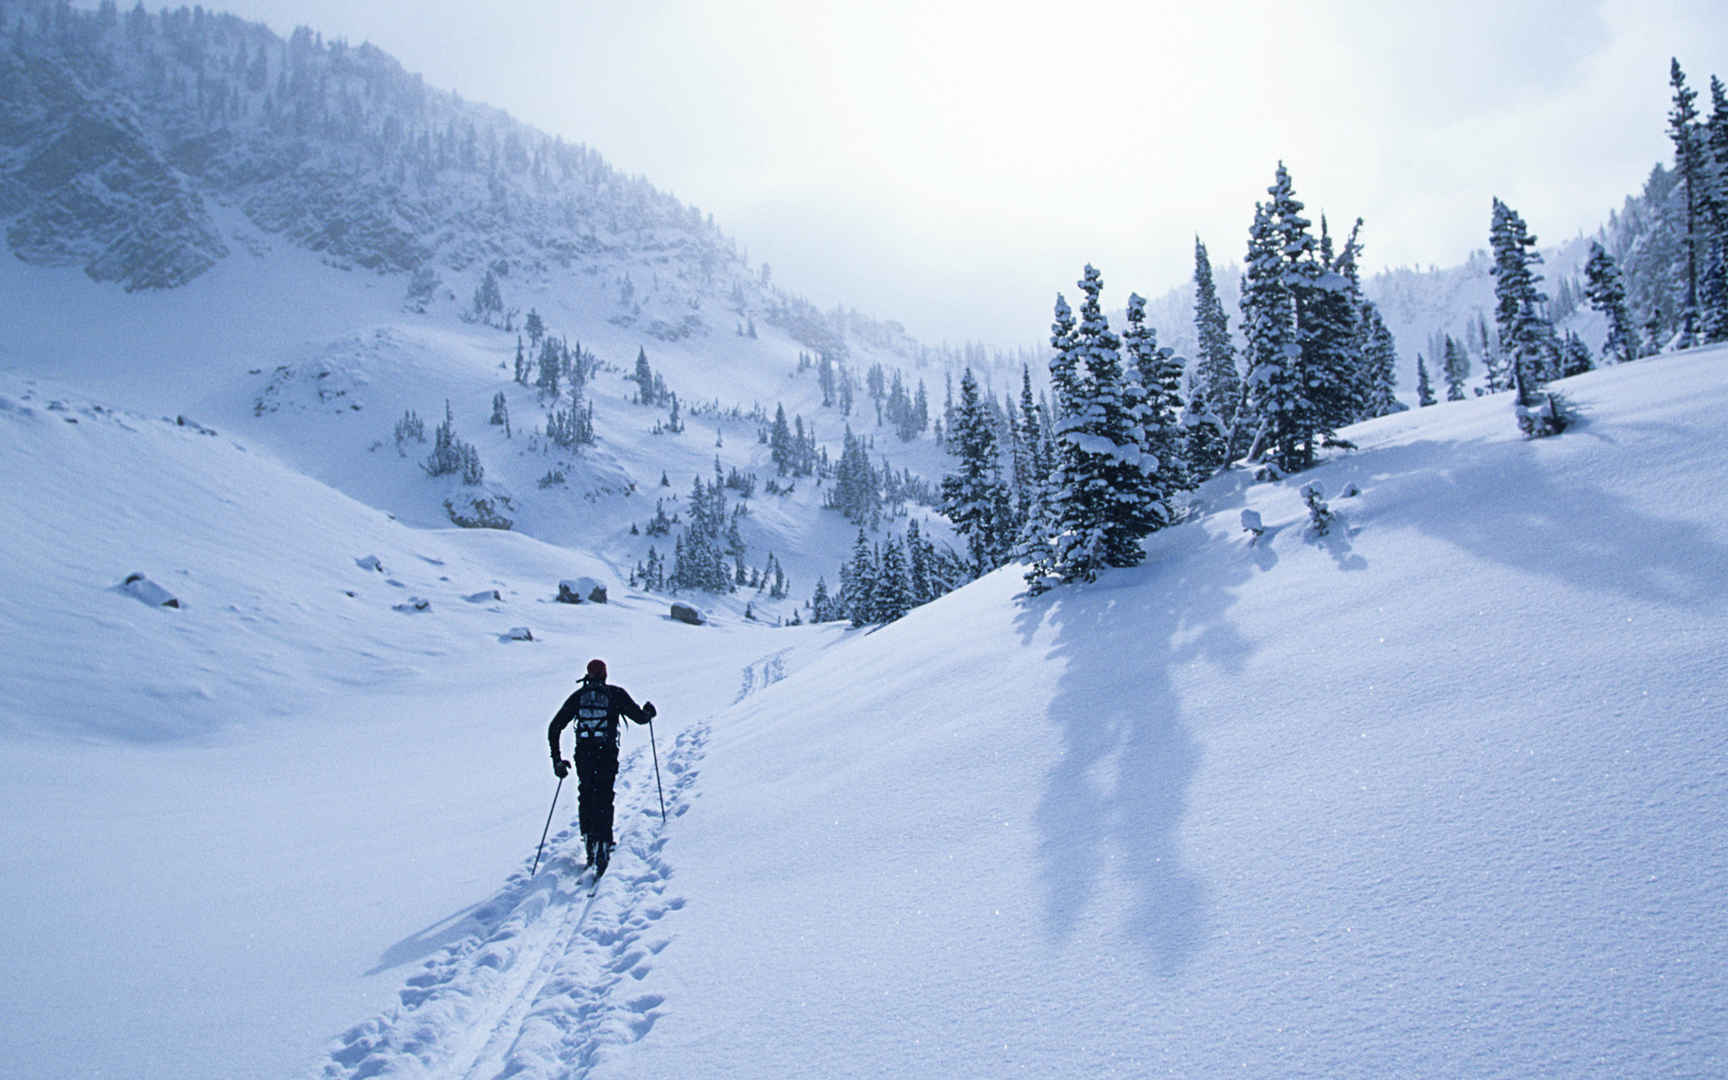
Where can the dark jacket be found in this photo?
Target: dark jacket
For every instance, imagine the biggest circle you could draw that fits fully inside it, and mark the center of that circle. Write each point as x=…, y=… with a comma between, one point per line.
x=595, y=708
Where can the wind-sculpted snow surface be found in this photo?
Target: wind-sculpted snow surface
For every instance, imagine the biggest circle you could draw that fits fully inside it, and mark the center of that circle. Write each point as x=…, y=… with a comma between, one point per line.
x=547, y=980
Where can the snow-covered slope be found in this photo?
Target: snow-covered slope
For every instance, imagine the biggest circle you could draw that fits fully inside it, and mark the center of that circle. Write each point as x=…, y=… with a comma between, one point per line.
x=1440, y=793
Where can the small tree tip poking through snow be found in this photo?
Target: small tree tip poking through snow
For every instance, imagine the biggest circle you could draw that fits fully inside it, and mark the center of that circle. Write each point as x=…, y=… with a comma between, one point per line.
x=1319, y=514
x=1546, y=417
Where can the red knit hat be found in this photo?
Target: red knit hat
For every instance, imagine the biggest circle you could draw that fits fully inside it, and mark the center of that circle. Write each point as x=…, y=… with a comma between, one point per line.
x=597, y=670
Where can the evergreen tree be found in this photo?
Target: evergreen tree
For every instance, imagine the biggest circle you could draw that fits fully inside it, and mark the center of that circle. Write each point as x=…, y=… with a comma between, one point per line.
x=1424, y=387
x=1606, y=291
x=1715, y=283
x=1153, y=396
x=974, y=497
x=644, y=376
x=891, y=598
x=1526, y=337
x=918, y=582
x=1338, y=378
x=1689, y=165
x=1380, y=365
x=856, y=493
x=821, y=606
x=1574, y=355
x=1099, y=505
x=1455, y=368
x=1217, y=380
x=534, y=327
x=1206, y=438
x=1043, y=523
x=551, y=367
x=780, y=442
x=1268, y=322
x=858, y=583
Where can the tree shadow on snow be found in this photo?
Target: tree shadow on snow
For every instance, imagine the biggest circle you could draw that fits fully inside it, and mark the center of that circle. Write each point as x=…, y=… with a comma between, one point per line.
x=1114, y=803
x=1560, y=527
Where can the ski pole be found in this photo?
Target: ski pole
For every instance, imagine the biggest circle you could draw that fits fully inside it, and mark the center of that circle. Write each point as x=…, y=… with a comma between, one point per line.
x=548, y=827
x=657, y=786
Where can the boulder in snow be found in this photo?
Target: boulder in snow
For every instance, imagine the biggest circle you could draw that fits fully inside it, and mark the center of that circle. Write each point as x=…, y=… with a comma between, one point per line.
x=370, y=562
x=484, y=596
x=581, y=590
x=516, y=633
x=684, y=613
x=412, y=605
x=141, y=587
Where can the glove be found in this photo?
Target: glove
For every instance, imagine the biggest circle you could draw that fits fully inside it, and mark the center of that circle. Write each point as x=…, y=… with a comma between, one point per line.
x=649, y=710
x=560, y=768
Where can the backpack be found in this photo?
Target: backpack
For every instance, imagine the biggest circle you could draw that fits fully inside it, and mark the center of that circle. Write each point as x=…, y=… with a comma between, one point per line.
x=593, y=711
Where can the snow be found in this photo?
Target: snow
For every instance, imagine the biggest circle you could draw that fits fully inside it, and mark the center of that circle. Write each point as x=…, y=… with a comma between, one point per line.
x=1438, y=793
x=1441, y=793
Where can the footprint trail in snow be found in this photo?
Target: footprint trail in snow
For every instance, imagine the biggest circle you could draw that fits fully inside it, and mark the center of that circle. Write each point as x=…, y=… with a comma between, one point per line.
x=550, y=977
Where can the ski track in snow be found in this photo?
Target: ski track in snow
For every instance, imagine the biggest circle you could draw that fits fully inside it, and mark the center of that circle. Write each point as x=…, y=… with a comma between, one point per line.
x=545, y=983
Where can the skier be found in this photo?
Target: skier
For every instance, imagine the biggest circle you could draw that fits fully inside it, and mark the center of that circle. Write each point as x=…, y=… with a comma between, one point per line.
x=595, y=707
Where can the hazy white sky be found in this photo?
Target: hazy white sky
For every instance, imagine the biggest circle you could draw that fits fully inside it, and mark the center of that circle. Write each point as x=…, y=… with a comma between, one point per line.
x=955, y=164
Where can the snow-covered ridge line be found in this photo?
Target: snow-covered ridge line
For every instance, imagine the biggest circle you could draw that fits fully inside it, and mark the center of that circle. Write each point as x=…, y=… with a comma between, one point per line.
x=125, y=136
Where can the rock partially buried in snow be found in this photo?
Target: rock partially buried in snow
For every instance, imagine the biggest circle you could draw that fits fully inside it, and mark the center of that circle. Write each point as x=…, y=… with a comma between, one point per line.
x=413, y=604
x=684, y=613
x=370, y=562
x=484, y=596
x=516, y=633
x=580, y=590
x=141, y=587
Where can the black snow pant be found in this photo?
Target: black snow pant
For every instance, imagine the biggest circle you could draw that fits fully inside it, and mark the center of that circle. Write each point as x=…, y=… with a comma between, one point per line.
x=596, y=769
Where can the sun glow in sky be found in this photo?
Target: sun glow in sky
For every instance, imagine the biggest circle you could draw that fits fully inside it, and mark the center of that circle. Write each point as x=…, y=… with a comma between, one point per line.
x=955, y=164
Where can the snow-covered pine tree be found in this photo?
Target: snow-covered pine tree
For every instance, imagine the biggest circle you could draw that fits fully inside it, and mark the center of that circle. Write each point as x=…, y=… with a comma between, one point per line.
x=551, y=368
x=821, y=606
x=1424, y=385
x=1380, y=365
x=919, y=587
x=1526, y=336
x=856, y=493
x=1037, y=545
x=858, y=583
x=892, y=597
x=1455, y=368
x=1690, y=167
x=1715, y=284
x=1332, y=314
x=1216, y=377
x=1100, y=504
x=1319, y=365
x=1152, y=390
x=1575, y=356
x=644, y=376
x=780, y=441
x=974, y=496
x=1606, y=291
x=1269, y=324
